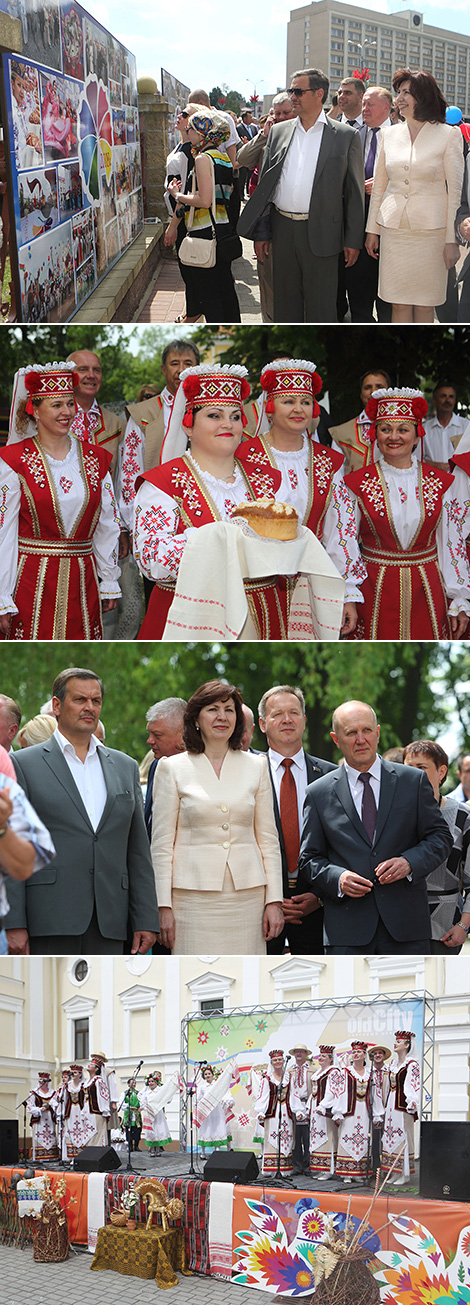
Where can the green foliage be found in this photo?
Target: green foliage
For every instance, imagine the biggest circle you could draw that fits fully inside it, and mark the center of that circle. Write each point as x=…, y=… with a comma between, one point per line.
x=399, y=680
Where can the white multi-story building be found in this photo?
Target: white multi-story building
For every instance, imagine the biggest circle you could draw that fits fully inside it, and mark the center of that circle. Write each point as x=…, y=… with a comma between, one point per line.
x=341, y=37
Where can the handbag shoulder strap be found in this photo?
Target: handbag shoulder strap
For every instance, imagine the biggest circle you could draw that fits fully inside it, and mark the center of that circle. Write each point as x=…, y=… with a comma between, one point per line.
x=212, y=203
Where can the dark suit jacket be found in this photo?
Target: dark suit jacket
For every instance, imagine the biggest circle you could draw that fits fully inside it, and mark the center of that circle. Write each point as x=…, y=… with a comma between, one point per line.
x=334, y=839
x=307, y=937
x=336, y=214
x=148, y=808
x=111, y=867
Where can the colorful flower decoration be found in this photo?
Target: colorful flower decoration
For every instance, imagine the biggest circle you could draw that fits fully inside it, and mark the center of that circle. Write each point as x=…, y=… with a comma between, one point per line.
x=225, y=1030
x=270, y=1262
x=261, y=1026
x=420, y=1276
x=203, y=1037
x=95, y=132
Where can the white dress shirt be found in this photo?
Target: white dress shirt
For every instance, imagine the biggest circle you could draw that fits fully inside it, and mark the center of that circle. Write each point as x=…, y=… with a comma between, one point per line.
x=437, y=445
x=88, y=777
x=356, y=786
x=294, y=188
x=298, y=770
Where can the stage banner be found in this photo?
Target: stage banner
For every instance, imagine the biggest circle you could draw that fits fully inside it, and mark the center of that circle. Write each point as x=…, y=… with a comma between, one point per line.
x=248, y=1037
x=73, y=144
x=75, y=1202
x=176, y=95
x=418, y=1252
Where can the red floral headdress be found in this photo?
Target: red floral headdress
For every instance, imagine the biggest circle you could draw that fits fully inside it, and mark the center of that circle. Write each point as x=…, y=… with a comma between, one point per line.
x=276, y=1052
x=49, y=383
x=359, y=1046
x=290, y=376
x=204, y=386
x=397, y=404
x=404, y=1033
x=326, y=1051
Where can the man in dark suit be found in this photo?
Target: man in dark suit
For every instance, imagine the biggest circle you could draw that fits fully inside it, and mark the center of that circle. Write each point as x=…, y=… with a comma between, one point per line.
x=165, y=738
x=89, y=798
x=310, y=202
x=361, y=281
x=282, y=720
x=369, y=839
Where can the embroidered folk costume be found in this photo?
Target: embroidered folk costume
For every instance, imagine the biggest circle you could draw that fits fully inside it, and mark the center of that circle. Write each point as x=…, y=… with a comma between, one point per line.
x=75, y=1135
x=411, y=536
x=323, y=1132
x=42, y=1106
x=401, y=1113
x=155, y=1131
x=96, y=1109
x=59, y=530
x=267, y=1109
x=347, y=1096
x=311, y=477
x=178, y=496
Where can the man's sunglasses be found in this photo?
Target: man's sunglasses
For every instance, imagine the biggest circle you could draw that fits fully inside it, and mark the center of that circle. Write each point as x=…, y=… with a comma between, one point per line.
x=295, y=90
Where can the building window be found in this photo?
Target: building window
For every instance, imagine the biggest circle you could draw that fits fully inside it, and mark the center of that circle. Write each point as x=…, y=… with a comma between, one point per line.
x=211, y=1005
x=80, y=970
x=81, y=1049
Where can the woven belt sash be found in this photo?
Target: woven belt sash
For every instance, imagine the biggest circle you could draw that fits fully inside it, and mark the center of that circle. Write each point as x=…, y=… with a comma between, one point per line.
x=266, y=581
x=55, y=547
x=400, y=559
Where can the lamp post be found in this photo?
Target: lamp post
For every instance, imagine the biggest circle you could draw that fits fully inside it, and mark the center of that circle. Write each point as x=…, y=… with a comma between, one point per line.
x=254, y=98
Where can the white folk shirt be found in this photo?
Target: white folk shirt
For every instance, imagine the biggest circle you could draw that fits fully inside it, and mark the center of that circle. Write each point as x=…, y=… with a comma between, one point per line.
x=130, y=460
x=298, y=770
x=294, y=188
x=437, y=444
x=88, y=777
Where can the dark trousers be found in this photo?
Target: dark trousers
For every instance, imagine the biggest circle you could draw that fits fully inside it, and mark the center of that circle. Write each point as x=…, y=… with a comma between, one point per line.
x=67, y=944
x=382, y=944
x=133, y=1132
x=304, y=939
x=301, y=1152
x=304, y=284
x=214, y=290
x=376, y=1150
x=361, y=287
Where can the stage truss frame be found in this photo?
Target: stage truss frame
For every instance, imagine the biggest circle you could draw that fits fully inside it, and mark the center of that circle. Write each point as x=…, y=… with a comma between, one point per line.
x=327, y=1003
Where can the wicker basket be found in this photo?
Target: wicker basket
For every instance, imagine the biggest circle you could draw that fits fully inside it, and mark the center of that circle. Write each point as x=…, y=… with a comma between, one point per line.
x=118, y=1217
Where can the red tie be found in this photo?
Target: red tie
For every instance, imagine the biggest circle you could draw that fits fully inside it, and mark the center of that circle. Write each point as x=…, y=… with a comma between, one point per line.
x=290, y=820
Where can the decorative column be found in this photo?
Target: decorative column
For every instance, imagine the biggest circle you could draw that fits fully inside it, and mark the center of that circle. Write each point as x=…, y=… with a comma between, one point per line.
x=153, y=117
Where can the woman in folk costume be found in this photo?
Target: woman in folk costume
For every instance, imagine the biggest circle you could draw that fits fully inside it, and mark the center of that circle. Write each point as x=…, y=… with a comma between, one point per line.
x=311, y=474
x=277, y=1083
x=59, y=530
x=213, y=1132
x=199, y=485
x=347, y=1096
x=155, y=1131
x=74, y=1138
x=323, y=1131
x=42, y=1106
x=96, y=1108
x=410, y=529
x=401, y=1110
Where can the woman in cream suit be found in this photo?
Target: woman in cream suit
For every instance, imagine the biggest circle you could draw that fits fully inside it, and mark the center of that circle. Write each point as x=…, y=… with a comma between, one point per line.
x=415, y=197
x=215, y=847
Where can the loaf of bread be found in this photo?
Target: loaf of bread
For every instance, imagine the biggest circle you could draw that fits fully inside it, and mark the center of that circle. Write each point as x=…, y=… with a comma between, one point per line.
x=268, y=518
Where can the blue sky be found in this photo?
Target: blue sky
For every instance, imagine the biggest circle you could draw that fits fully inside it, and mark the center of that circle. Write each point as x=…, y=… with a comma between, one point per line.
x=204, y=43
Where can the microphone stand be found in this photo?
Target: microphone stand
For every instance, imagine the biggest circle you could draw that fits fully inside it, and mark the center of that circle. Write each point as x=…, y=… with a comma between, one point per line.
x=127, y=1098
x=22, y=1154
x=191, y=1094
x=370, y=1180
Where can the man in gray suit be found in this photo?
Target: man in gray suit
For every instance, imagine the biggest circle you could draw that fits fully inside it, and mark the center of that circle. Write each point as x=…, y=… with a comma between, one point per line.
x=369, y=840
x=309, y=202
x=101, y=880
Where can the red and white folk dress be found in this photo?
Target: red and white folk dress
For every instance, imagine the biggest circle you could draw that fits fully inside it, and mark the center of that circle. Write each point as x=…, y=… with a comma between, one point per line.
x=412, y=543
x=312, y=481
x=177, y=497
x=58, y=531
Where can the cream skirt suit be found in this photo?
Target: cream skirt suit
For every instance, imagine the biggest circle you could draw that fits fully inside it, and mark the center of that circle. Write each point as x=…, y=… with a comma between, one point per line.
x=414, y=200
x=215, y=851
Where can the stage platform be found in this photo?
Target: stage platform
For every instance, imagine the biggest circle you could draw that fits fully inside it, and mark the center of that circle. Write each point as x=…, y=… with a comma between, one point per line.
x=266, y=1237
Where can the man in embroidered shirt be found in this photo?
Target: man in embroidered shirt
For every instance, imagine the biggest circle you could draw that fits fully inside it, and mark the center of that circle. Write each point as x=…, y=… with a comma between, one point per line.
x=369, y=840
x=310, y=202
x=351, y=438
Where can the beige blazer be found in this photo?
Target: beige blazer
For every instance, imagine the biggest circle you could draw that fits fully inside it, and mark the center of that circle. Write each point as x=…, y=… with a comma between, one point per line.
x=424, y=177
x=201, y=824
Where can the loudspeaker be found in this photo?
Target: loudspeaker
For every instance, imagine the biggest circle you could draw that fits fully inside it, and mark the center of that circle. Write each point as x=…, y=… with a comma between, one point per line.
x=231, y=1167
x=97, y=1159
x=8, y=1141
x=445, y=1161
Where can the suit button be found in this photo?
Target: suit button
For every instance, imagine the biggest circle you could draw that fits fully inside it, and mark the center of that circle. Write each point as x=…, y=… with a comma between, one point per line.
x=225, y=844
x=224, y=808
x=406, y=167
x=224, y=826
x=407, y=183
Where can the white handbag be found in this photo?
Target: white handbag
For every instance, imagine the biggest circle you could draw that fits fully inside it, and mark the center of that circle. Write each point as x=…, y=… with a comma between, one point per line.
x=194, y=251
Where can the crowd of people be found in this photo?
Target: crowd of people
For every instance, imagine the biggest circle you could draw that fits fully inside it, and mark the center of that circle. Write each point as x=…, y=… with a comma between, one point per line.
x=356, y=207
x=265, y=851
x=94, y=503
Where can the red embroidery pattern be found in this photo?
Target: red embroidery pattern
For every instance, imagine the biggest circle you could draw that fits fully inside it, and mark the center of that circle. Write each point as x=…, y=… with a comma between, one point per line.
x=432, y=490
x=130, y=466
x=92, y=468
x=107, y=486
x=182, y=480
x=262, y=485
x=373, y=491
x=322, y=472
x=3, y=504
x=293, y=478
x=34, y=463
x=65, y=484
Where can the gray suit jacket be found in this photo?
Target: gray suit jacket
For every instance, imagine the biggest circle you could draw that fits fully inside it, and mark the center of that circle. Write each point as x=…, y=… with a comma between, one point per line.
x=111, y=867
x=336, y=213
x=334, y=839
